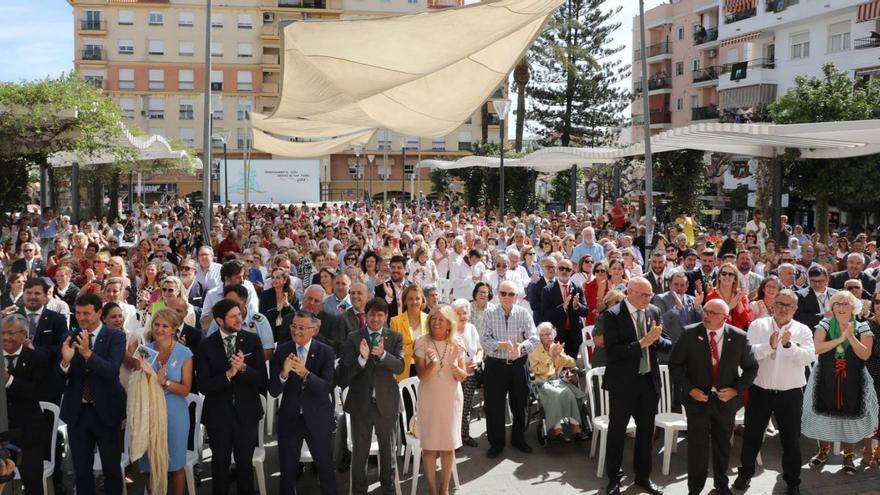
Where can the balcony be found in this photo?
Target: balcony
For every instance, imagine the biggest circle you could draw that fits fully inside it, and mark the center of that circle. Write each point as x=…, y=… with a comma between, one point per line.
x=865, y=43
x=662, y=48
x=740, y=16
x=705, y=113
x=269, y=30
x=269, y=59
x=270, y=88
x=656, y=82
x=659, y=116
x=492, y=119
x=303, y=4
x=706, y=74
x=780, y=5
x=92, y=25
x=704, y=35
x=93, y=54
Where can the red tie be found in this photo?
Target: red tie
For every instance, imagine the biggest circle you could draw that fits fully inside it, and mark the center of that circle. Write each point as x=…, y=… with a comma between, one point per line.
x=567, y=316
x=713, y=346
x=361, y=321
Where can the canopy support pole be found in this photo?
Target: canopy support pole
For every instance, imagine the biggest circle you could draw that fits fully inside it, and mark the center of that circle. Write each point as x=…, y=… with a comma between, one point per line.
x=776, y=208
x=74, y=192
x=646, y=108
x=207, y=209
x=574, y=188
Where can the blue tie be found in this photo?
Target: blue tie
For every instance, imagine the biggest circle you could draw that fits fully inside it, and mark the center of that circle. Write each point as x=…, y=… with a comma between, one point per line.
x=301, y=351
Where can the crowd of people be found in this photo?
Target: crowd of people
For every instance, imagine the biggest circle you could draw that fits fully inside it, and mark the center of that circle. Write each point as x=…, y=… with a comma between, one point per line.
x=125, y=319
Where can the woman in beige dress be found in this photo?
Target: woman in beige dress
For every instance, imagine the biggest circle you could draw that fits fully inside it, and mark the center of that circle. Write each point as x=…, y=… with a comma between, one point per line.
x=441, y=367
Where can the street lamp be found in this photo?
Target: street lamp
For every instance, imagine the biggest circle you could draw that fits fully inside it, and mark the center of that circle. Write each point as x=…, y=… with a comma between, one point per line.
x=358, y=151
x=218, y=137
x=501, y=107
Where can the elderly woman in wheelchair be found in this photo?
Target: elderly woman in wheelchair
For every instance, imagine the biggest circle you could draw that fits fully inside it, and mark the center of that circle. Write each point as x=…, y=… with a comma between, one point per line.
x=555, y=383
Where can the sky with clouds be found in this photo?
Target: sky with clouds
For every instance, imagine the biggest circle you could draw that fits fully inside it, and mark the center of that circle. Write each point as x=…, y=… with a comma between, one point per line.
x=37, y=38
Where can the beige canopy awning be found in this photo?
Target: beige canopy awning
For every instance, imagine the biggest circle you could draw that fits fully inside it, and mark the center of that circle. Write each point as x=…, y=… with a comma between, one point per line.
x=418, y=75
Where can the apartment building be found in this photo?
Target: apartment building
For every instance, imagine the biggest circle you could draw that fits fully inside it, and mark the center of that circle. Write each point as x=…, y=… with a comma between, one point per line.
x=148, y=55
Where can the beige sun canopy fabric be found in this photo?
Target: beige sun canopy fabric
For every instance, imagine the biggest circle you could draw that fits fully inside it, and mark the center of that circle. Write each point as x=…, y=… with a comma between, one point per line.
x=418, y=75
x=308, y=149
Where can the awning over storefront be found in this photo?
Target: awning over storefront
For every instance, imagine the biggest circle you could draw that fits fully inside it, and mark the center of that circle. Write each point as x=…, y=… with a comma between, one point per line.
x=868, y=12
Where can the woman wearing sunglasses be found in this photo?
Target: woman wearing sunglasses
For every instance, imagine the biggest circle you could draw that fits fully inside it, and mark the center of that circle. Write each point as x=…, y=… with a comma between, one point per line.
x=730, y=290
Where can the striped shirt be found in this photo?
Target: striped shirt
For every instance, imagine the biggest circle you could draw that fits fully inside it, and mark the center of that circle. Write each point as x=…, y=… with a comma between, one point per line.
x=498, y=327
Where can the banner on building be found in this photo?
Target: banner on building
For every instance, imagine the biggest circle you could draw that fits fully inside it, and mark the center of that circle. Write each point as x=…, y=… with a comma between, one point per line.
x=273, y=181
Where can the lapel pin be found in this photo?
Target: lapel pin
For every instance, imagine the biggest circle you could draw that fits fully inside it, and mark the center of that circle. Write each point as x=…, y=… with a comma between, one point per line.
x=700, y=337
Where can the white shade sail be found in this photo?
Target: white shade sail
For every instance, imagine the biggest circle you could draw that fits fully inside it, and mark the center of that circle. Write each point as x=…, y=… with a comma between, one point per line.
x=149, y=148
x=308, y=149
x=420, y=75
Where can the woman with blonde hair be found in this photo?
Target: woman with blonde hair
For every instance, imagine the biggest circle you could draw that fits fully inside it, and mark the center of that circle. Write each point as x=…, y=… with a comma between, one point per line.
x=411, y=323
x=173, y=366
x=441, y=368
x=730, y=291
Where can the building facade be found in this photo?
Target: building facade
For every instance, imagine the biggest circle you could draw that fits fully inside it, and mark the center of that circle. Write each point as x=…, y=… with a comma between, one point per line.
x=148, y=55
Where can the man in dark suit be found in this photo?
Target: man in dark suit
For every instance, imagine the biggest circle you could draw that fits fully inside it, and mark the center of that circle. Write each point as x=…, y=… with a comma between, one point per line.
x=705, y=364
x=303, y=371
x=563, y=305
x=332, y=330
x=657, y=274
x=678, y=309
x=31, y=265
x=371, y=357
x=355, y=317
x=855, y=263
x=633, y=340
x=814, y=301
x=706, y=273
x=231, y=370
x=94, y=401
x=46, y=328
x=392, y=290
x=535, y=290
x=24, y=374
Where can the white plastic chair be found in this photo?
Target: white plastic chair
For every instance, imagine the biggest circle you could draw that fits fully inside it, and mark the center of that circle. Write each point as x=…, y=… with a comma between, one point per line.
x=374, y=450
x=586, y=345
x=48, y=466
x=671, y=422
x=599, y=416
x=194, y=456
x=409, y=387
x=260, y=452
x=272, y=404
x=124, y=458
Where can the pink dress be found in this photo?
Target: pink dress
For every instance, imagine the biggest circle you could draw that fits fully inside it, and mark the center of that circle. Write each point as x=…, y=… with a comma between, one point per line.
x=440, y=399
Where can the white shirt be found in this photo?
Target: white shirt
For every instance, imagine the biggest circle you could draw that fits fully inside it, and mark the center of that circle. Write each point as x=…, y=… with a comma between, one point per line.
x=781, y=369
x=823, y=299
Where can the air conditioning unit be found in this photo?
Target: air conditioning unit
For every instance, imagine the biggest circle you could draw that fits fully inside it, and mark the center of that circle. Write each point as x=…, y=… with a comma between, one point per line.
x=713, y=53
x=268, y=17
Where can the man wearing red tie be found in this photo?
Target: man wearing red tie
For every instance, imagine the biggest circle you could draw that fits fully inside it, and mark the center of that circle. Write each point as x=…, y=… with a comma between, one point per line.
x=705, y=364
x=563, y=305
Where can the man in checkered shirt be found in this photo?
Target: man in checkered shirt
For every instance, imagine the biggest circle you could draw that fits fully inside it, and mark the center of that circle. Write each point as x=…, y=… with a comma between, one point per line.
x=508, y=338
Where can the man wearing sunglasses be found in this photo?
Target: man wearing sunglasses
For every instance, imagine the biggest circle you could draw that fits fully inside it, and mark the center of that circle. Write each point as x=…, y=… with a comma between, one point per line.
x=563, y=304
x=783, y=347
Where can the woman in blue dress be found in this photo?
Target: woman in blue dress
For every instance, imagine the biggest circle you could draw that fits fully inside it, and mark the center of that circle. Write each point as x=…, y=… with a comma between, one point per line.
x=174, y=368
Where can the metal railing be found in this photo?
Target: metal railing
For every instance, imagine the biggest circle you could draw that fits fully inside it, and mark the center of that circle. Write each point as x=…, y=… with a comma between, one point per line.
x=706, y=74
x=661, y=48
x=705, y=35
x=658, y=116
x=92, y=25
x=705, y=113
x=763, y=63
x=93, y=54
x=654, y=83
x=303, y=4
x=739, y=16
x=864, y=43
x=780, y=5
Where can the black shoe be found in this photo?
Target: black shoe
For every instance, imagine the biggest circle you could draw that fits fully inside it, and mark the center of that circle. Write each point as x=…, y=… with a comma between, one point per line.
x=649, y=487
x=742, y=481
x=721, y=491
x=470, y=442
x=523, y=447
x=793, y=490
x=494, y=452
x=580, y=436
x=344, y=462
x=613, y=487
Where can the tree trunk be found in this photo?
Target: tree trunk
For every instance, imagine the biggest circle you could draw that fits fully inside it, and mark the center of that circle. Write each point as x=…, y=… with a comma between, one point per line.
x=822, y=217
x=521, y=77
x=114, y=195
x=484, y=123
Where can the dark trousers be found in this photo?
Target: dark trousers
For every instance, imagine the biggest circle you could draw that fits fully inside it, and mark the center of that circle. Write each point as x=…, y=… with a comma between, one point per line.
x=502, y=382
x=468, y=388
x=362, y=426
x=786, y=407
x=238, y=439
x=713, y=424
x=84, y=435
x=640, y=403
x=292, y=431
x=31, y=468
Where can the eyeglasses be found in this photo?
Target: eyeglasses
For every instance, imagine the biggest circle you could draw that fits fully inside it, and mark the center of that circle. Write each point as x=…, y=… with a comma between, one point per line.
x=875, y=301
x=713, y=313
x=186, y=269
x=727, y=274
x=783, y=305
x=301, y=328
x=672, y=250
x=169, y=289
x=499, y=265
x=564, y=269
x=853, y=288
x=599, y=271
x=841, y=305
x=506, y=294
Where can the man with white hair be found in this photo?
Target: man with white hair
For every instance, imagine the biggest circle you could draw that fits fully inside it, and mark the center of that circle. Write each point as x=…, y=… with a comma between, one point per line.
x=504, y=272
x=207, y=270
x=588, y=246
x=514, y=256
x=855, y=263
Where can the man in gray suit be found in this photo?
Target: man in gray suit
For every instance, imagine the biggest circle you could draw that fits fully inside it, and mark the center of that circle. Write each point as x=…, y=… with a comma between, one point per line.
x=749, y=280
x=678, y=309
x=371, y=358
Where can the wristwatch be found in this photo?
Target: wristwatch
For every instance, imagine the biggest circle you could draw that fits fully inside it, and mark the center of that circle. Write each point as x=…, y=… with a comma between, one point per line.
x=165, y=385
x=786, y=345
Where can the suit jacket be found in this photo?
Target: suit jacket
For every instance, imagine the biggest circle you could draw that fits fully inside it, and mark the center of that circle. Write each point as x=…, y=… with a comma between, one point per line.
x=808, y=307
x=38, y=268
x=553, y=311
x=196, y=297
x=101, y=372
x=51, y=331
x=393, y=309
x=690, y=365
x=377, y=375
x=673, y=319
x=697, y=274
x=623, y=349
x=24, y=394
x=70, y=298
x=226, y=400
x=400, y=324
x=655, y=282
x=312, y=396
x=838, y=279
x=269, y=309
x=350, y=320
x=534, y=292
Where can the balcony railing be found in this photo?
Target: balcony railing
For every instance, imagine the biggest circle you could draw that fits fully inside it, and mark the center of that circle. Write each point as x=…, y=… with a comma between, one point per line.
x=658, y=116
x=864, y=43
x=92, y=25
x=661, y=48
x=706, y=74
x=705, y=113
x=492, y=119
x=763, y=63
x=703, y=35
x=780, y=5
x=93, y=54
x=739, y=16
x=655, y=82
x=303, y=4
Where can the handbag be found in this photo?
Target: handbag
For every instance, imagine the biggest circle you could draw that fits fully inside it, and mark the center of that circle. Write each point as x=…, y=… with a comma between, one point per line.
x=414, y=426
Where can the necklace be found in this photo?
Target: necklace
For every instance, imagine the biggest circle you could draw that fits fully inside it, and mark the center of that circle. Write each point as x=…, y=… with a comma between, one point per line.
x=445, y=349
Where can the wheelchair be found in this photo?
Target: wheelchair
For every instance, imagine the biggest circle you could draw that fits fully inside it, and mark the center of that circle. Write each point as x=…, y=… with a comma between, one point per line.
x=535, y=412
